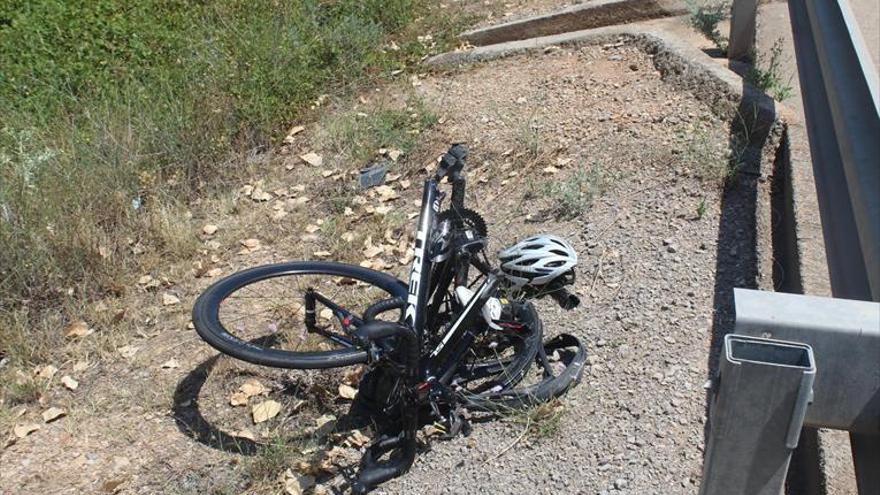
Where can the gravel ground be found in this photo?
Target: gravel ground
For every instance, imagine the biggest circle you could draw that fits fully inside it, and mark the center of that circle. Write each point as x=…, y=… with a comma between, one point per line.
x=648, y=273
x=655, y=277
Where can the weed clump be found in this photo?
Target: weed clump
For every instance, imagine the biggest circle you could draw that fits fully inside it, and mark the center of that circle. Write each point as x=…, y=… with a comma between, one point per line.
x=705, y=15
x=571, y=196
x=766, y=75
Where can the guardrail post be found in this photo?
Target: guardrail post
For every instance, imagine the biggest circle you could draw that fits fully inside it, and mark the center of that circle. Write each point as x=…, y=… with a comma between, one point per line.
x=743, y=16
x=845, y=338
x=760, y=399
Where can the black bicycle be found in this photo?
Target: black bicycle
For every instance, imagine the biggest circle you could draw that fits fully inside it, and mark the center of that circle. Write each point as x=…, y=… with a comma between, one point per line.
x=460, y=335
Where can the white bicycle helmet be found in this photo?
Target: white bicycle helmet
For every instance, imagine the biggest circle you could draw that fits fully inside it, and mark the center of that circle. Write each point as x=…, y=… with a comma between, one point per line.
x=537, y=260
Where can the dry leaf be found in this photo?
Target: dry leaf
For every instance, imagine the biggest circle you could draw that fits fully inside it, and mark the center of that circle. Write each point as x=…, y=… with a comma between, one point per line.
x=407, y=258
x=327, y=173
x=373, y=251
x=383, y=210
x=53, y=413
x=387, y=193
x=325, y=425
x=252, y=387
x=261, y=195
x=77, y=329
x=110, y=486
x=238, y=399
x=550, y=170
x=312, y=159
x=357, y=439
x=23, y=430
x=213, y=272
x=293, y=132
x=563, y=161
x=347, y=391
x=128, y=351
x=394, y=154
x=250, y=243
x=352, y=375
x=265, y=411
x=148, y=282
x=169, y=299
x=311, y=229
x=322, y=254
x=209, y=229
x=171, y=364
x=348, y=236
x=326, y=314
x=331, y=459
x=80, y=366
x=245, y=433
x=46, y=372
x=69, y=382
x=295, y=484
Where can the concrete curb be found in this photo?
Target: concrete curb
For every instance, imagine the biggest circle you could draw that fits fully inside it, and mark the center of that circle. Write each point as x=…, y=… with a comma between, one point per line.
x=594, y=14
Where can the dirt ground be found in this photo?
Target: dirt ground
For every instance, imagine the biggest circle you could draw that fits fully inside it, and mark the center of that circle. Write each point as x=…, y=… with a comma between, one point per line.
x=654, y=277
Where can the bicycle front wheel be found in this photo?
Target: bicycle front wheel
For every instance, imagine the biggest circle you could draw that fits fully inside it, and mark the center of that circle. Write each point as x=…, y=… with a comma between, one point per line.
x=298, y=314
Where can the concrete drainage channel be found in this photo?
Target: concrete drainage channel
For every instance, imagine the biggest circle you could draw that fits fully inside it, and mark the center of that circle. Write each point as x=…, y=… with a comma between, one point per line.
x=769, y=190
x=593, y=14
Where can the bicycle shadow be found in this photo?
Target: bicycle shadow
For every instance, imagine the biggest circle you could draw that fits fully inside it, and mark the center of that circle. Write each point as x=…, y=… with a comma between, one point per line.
x=189, y=419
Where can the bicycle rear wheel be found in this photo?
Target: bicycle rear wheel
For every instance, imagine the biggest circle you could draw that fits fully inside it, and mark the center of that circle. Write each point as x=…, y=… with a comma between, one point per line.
x=292, y=315
x=499, y=359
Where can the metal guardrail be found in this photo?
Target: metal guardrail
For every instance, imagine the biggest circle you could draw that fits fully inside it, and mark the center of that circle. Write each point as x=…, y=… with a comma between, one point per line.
x=839, y=86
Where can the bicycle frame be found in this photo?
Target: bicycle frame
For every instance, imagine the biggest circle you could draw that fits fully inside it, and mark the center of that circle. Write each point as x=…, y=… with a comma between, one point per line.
x=420, y=273
x=445, y=358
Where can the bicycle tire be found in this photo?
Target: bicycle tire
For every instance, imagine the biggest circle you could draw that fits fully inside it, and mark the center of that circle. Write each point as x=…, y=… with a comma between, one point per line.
x=207, y=321
x=523, y=354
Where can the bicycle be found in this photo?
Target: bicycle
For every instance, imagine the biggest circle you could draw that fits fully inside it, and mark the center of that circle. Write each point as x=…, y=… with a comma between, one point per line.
x=440, y=344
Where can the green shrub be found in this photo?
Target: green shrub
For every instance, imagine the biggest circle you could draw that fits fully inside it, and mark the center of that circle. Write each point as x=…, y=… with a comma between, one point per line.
x=116, y=112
